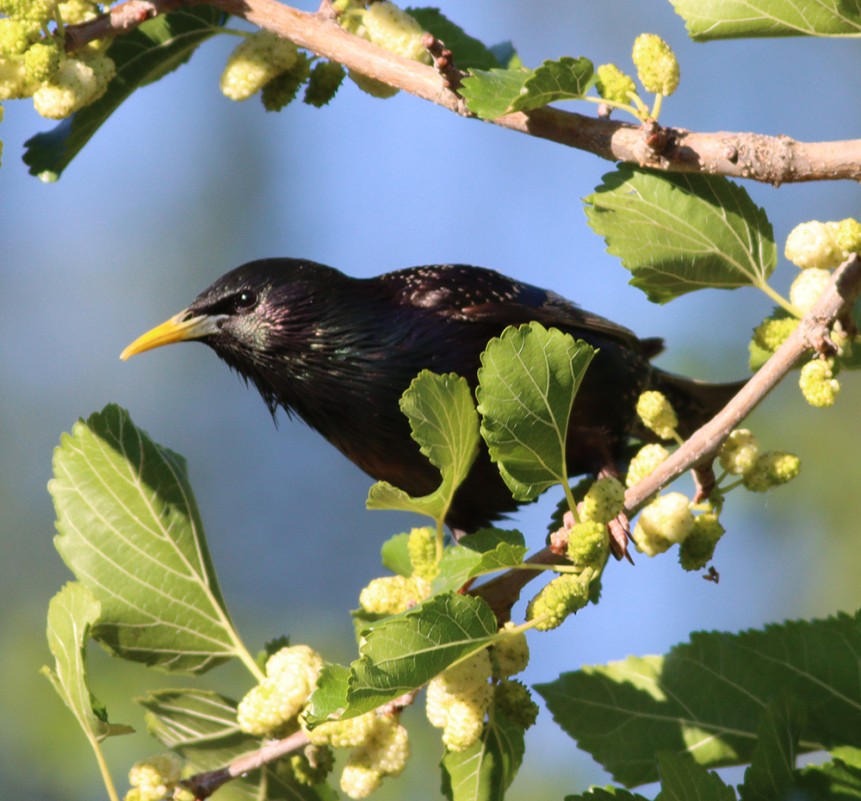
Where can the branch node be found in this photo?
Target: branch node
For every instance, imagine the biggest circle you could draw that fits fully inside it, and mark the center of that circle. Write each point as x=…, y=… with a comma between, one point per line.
x=443, y=60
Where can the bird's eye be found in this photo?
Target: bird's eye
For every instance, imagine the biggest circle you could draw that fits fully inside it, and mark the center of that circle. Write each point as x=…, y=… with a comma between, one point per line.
x=246, y=299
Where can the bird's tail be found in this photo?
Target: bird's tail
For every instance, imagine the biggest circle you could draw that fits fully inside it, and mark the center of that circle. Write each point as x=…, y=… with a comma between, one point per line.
x=695, y=402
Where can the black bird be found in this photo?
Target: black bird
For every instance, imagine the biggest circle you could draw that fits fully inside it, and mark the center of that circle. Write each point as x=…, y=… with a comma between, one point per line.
x=339, y=352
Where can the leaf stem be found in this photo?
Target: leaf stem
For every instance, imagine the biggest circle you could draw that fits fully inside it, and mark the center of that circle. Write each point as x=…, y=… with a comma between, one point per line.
x=779, y=299
x=103, y=768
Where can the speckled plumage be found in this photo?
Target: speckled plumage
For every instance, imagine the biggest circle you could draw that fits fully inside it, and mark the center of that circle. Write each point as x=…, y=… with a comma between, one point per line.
x=339, y=352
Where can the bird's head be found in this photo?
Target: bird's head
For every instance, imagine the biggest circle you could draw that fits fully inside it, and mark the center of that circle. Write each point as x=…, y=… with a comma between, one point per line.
x=261, y=315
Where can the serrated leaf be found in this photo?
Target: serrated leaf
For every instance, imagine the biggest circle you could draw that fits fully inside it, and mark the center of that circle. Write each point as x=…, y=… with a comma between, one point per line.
x=71, y=614
x=405, y=651
x=770, y=774
x=833, y=781
x=129, y=529
x=329, y=698
x=730, y=19
x=469, y=52
x=564, y=79
x=527, y=382
x=201, y=726
x=706, y=697
x=683, y=779
x=493, y=93
x=444, y=422
x=678, y=233
x=486, y=551
x=485, y=770
x=142, y=56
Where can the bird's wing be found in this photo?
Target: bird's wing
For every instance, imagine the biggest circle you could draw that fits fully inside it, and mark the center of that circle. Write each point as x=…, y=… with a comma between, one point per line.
x=472, y=294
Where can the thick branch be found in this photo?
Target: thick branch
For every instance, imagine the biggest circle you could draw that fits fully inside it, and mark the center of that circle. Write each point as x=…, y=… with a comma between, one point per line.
x=812, y=333
x=773, y=160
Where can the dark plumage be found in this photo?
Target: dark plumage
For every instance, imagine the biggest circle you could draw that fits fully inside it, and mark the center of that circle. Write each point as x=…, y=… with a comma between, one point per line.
x=340, y=351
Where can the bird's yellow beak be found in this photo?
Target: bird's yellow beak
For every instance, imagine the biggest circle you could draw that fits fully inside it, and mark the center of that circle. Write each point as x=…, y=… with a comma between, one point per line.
x=180, y=328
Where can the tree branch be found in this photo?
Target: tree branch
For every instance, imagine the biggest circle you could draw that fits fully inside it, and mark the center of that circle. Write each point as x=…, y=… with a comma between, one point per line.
x=205, y=784
x=769, y=159
x=702, y=446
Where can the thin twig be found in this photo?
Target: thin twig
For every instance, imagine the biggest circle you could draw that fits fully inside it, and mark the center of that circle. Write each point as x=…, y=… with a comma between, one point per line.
x=770, y=159
x=701, y=447
x=205, y=784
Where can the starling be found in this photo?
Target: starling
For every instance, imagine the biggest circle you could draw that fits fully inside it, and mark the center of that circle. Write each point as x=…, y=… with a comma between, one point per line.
x=339, y=352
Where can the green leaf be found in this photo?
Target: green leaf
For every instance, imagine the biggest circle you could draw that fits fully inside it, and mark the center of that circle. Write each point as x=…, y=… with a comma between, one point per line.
x=707, y=697
x=200, y=725
x=527, y=382
x=469, y=53
x=565, y=79
x=493, y=93
x=71, y=614
x=833, y=781
x=142, y=56
x=395, y=555
x=490, y=93
x=729, y=19
x=678, y=233
x=486, y=551
x=683, y=779
x=484, y=771
x=606, y=794
x=329, y=698
x=403, y=652
x=129, y=529
x=770, y=774
x=445, y=424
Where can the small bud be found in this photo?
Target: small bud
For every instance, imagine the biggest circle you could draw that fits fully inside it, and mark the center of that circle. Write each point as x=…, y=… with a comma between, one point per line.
x=589, y=544
x=603, y=500
x=390, y=27
x=42, y=60
x=657, y=67
x=644, y=462
x=657, y=414
x=359, y=779
x=74, y=12
x=807, y=287
x=664, y=522
x=153, y=779
x=76, y=83
x=510, y=654
x=772, y=332
x=291, y=675
x=259, y=58
x=458, y=699
x=563, y=596
x=371, y=86
x=421, y=546
x=613, y=84
x=813, y=244
x=739, y=452
x=818, y=384
x=698, y=547
x=772, y=468
x=347, y=733
x=848, y=236
x=390, y=595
